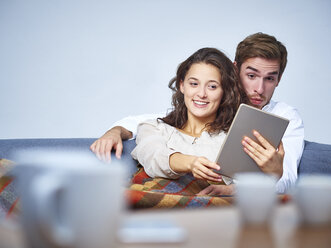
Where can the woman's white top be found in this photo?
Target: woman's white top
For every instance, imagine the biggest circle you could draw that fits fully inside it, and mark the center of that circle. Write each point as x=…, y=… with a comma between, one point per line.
x=156, y=141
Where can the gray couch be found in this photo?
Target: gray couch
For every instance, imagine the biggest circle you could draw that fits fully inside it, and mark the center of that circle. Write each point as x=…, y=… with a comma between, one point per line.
x=316, y=157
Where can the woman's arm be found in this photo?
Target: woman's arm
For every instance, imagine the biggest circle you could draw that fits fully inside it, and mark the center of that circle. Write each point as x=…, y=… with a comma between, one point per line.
x=159, y=160
x=152, y=151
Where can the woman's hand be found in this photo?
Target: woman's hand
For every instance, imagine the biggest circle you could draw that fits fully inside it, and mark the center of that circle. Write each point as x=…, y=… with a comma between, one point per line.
x=200, y=167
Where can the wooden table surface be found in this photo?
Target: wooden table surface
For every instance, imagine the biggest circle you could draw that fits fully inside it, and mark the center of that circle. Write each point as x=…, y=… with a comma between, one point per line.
x=222, y=227
x=217, y=227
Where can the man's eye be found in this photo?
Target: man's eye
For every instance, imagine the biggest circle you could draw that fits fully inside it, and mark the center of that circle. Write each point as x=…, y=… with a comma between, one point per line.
x=271, y=79
x=251, y=76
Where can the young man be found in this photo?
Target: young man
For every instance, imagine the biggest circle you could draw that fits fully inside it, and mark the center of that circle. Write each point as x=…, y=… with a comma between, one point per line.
x=261, y=61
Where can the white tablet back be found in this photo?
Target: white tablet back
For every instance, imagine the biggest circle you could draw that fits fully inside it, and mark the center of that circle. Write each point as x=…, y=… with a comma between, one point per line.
x=232, y=157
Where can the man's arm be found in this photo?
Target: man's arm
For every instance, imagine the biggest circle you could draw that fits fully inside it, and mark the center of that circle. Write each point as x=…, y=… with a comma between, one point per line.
x=123, y=129
x=131, y=123
x=112, y=139
x=293, y=144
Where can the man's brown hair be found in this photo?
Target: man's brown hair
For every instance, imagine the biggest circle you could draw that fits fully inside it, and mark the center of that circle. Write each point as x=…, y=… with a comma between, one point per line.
x=263, y=46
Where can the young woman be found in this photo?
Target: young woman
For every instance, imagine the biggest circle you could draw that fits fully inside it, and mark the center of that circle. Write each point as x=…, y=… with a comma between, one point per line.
x=206, y=96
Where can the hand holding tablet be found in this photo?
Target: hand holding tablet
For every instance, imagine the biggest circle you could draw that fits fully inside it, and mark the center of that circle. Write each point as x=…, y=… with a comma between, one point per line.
x=232, y=158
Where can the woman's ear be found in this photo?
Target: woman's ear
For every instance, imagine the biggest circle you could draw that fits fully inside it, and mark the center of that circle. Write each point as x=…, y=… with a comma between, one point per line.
x=236, y=66
x=181, y=86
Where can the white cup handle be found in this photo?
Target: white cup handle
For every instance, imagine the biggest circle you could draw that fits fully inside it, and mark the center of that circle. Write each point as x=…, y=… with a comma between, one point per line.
x=46, y=190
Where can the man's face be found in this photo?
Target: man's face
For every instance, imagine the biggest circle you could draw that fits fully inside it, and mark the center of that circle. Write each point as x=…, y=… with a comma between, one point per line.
x=259, y=77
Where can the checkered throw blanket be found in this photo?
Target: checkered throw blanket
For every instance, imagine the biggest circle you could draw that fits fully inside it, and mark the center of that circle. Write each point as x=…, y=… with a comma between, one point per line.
x=146, y=192
x=143, y=192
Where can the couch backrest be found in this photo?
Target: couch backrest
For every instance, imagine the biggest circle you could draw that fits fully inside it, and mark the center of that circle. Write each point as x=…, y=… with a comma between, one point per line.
x=9, y=146
x=316, y=158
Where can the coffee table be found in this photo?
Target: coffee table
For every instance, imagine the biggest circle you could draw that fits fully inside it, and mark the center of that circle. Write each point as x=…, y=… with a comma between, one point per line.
x=222, y=227
x=217, y=227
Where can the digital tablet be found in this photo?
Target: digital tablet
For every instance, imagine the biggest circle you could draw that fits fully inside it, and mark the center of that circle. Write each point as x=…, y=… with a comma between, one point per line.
x=232, y=157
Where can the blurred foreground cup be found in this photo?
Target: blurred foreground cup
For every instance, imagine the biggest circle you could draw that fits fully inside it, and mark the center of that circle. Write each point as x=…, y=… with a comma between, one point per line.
x=313, y=198
x=69, y=199
x=255, y=197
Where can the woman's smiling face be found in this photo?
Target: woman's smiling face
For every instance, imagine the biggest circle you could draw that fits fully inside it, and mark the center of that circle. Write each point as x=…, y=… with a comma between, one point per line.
x=202, y=91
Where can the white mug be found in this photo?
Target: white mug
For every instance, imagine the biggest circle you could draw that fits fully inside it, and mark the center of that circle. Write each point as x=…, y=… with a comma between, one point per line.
x=69, y=199
x=256, y=197
x=313, y=198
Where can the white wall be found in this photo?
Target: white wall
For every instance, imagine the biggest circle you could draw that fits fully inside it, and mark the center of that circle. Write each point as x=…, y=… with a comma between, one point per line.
x=71, y=68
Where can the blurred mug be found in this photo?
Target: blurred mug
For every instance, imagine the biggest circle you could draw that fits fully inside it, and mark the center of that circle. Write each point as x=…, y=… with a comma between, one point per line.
x=69, y=199
x=313, y=198
x=256, y=196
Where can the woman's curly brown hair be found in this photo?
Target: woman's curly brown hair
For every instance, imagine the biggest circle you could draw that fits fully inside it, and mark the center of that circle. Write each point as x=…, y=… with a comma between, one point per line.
x=233, y=92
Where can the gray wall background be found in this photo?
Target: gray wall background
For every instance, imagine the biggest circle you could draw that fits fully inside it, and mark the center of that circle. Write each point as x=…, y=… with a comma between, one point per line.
x=71, y=68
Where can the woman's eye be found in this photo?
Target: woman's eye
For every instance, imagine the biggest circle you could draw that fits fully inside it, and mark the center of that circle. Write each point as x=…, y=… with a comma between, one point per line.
x=213, y=86
x=193, y=83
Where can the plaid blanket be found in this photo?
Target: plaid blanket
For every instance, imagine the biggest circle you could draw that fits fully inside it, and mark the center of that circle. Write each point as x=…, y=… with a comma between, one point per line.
x=146, y=192
x=143, y=192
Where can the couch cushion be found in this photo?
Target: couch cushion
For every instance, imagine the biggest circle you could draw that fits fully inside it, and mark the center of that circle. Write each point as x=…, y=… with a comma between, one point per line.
x=8, y=190
x=316, y=158
x=9, y=146
x=9, y=204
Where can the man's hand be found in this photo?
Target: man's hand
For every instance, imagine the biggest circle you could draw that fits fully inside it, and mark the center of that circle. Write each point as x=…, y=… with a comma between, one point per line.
x=216, y=190
x=112, y=139
x=265, y=155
